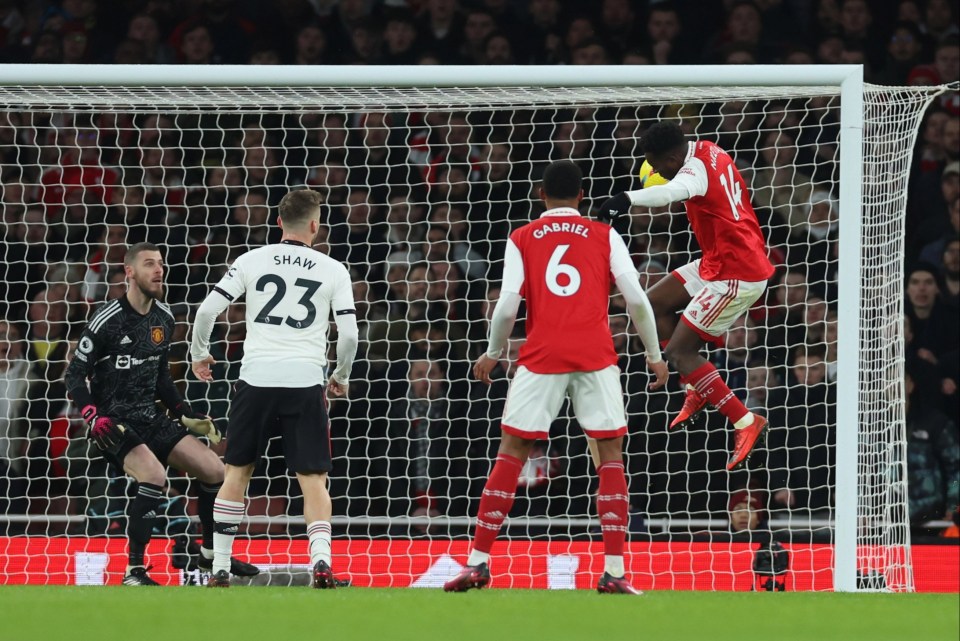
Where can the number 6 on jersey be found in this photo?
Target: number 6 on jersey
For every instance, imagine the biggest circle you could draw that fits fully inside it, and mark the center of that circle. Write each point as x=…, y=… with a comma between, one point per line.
x=556, y=270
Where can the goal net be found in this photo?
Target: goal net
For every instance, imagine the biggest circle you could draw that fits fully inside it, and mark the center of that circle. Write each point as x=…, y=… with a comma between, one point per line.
x=422, y=188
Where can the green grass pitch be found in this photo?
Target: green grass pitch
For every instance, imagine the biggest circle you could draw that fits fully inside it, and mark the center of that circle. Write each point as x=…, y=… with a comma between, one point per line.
x=267, y=614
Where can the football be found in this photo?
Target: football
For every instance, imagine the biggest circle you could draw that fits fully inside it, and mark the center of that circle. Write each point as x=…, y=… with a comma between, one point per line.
x=650, y=178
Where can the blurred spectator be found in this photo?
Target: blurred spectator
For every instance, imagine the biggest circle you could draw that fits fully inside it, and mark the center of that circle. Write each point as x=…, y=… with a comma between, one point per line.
x=933, y=455
x=760, y=380
x=196, y=45
x=932, y=252
x=497, y=50
x=947, y=59
x=746, y=511
x=904, y=49
x=951, y=272
x=543, y=31
x=30, y=248
x=13, y=392
x=441, y=29
x=76, y=170
x=934, y=321
x=940, y=19
x=47, y=48
x=857, y=30
x=738, y=350
x=74, y=46
x=227, y=34
x=109, y=253
x=802, y=437
x=618, y=21
x=400, y=39
x=590, y=52
x=311, y=44
x=778, y=185
x=446, y=241
x=250, y=215
x=364, y=43
x=357, y=238
x=744, y=29
x=427, y=441
x=478, y=26
x=143, y=28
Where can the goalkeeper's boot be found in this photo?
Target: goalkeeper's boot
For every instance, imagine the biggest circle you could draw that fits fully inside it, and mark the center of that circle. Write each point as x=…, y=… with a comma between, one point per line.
x=137, y=575
x=471, y=576
x=219, y=580
x=184, y=553
x=237, y=567
x=610, y=584
x=744, y=442
x=323, y=578
x=693, y=405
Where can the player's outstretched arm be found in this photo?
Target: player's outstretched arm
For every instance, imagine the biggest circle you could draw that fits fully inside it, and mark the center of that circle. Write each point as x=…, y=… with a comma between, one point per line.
x=348, y=335
x=348, y=339
x=504, y=314
x=211, y=307
x=501, y=326
x=690, y=182
x=638, y=305
x=641, y=312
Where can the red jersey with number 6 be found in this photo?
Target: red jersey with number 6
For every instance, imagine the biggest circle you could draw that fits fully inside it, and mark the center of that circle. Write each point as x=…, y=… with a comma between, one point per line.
x=724, y=222
x=566, y=283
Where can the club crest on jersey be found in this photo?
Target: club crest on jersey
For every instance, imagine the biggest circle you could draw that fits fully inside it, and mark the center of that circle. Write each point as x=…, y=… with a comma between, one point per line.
x=156, y=335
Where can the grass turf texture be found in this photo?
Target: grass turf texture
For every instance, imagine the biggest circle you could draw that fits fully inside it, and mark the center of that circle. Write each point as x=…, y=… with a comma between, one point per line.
x=265, y=614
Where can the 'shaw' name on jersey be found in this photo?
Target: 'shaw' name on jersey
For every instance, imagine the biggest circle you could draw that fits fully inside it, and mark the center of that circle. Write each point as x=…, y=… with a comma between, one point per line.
x=296, y=261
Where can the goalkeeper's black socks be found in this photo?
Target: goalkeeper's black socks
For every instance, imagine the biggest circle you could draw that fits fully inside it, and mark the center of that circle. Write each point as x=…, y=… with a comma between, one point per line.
x=205, y=499
x=140, y=516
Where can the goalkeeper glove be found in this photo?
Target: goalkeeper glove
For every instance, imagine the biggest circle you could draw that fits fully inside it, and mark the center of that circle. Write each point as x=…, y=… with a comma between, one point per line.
x=103, y=430
x=615, y=207
x=198, y=423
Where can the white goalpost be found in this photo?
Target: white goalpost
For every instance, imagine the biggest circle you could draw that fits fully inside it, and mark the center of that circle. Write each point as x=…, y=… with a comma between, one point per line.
x=425, y=171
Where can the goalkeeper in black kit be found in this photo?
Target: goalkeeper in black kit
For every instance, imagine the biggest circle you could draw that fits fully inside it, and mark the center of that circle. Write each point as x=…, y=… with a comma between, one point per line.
x=123, y=353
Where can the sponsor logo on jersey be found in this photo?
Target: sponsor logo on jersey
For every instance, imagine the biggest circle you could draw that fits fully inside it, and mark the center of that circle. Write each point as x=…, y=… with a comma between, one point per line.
x=156, y=335
x=125, y=340
x=125, y=361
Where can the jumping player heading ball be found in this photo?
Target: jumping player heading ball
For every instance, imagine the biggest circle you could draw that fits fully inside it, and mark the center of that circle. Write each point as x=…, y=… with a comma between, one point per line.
x=714, y=290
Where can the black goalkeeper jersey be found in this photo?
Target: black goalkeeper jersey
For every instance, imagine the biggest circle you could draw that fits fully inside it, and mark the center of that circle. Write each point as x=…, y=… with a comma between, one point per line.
x=124, y=356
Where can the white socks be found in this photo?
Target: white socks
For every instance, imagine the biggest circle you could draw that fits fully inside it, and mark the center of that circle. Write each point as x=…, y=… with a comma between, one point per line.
x=613, y=565
x=477, y=557
x=319, y=533
x=746, y=421
x=227, y=516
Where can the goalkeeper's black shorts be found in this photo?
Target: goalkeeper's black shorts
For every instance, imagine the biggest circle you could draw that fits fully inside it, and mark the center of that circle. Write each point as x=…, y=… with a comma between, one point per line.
x=161, y=435
x=297, y=414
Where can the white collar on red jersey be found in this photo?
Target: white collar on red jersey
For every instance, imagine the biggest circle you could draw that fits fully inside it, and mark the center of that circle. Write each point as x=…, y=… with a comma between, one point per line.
x=691, y=148
x=560, y=211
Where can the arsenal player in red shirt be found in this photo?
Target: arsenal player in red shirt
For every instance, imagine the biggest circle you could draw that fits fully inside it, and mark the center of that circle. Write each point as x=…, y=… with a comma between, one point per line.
x=714, y=290
x=563, y=265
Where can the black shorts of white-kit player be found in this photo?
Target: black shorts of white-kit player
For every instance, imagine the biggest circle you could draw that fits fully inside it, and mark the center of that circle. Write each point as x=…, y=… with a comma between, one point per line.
x=297, y=414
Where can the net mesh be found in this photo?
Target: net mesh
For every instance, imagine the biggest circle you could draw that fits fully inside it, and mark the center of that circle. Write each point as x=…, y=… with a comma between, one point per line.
x=422, y=190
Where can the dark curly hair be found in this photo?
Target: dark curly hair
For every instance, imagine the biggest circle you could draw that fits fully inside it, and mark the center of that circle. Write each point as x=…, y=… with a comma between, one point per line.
x=662, y=137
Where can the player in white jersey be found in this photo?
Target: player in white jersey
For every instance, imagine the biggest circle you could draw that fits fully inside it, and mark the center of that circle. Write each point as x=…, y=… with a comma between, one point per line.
x=291, y=290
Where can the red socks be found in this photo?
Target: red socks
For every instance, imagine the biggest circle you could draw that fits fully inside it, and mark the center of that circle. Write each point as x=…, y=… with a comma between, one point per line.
x=496, y=501
x=708, y=383
x=612, y=505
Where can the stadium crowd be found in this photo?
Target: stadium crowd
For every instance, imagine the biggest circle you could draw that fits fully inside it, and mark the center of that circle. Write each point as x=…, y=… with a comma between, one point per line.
x=419, y=206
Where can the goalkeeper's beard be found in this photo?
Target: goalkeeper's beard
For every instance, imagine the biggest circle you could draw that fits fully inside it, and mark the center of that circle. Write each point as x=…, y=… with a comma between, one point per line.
x=153, y=295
